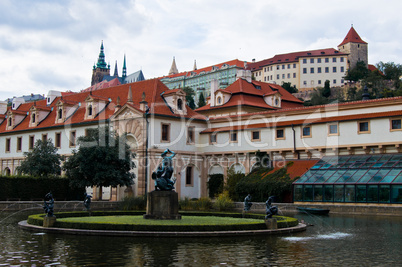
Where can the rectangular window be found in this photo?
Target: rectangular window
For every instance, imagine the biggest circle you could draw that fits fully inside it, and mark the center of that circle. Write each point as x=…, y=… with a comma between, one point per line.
x=319, y=70
x=318, y=60
x=341, y=59
x=304, y=70
x=277, y=67
x=306, y=132
x=319, y=81
x=190, y=135
x=333, y=69
x=311, y=60
x=395, y=124
x=72, y=142
x=326, y=70
x=8, y=144
x=255, y=136
x=165, y=132
x=326, y=60
x=363, y=127
x=233, y=137
x=288, y=66
x=334, y=59
x=334, y=81
x=304, y=60
x=294, y=74
x=19, y=144
x=288, y=75
x=212, y=138
x=31, y=142
x=333, y=129
x=280, y=134
x=44, y=138
x=294, y=65
x=277, y=76
x=311, y=70
x=57, y=140
x=283, y=67
x=283, y=76
x=189, y=176
x=342, y=69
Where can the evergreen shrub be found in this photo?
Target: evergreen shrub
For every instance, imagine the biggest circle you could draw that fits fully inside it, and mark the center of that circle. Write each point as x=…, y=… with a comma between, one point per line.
x=215, y=185
x=30, y=188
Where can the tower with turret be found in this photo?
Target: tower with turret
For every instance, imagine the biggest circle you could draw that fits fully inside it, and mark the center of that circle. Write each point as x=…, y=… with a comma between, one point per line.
x=100, y=69
x=355, y=47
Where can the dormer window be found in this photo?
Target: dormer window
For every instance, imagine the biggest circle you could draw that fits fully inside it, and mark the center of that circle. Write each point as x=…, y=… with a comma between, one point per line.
x=10, y=122
x=179, y=104
x=48, y=100
x=13, y=105
x=276, y=102
x=219, y=100
x=33, y=118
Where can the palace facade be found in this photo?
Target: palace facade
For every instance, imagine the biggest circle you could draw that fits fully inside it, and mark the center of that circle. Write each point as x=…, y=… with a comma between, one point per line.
x=238, y=120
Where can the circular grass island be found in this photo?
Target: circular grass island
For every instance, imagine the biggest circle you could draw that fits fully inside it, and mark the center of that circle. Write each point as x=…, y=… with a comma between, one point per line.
x=132, y=223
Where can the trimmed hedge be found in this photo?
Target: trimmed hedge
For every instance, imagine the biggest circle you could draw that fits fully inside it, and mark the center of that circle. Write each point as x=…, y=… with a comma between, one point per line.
x=282, y=221
x=29, y=188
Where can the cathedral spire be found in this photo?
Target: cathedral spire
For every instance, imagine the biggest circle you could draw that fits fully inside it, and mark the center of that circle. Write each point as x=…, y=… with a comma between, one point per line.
x=124, y=75
x=195, y=65
x=173, y=68
x=101, y=59
x=116, y=73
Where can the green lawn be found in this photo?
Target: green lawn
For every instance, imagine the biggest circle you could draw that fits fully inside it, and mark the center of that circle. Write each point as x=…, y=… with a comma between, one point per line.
x=139, y=220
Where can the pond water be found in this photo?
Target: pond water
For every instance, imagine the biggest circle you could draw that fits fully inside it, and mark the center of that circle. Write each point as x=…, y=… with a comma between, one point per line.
x=334, y=240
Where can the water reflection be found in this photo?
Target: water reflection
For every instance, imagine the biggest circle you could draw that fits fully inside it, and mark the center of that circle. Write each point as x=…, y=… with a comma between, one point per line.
x=333, y=240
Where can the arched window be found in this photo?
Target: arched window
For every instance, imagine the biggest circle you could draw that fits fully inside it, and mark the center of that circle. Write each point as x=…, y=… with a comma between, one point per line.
x=89, y=110
x=10, y=122
x=276, y=102
x=7, y=171
x=60, y=113
x=219, y=100
x=179, y=104
x=33, y=118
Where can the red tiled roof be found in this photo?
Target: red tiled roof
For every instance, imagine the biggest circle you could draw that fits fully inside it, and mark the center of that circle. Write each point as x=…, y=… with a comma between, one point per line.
x=152, y=89
x=296, y=169
x=42, y=107
x=252, y=94
x=234, y=62
x=304, y=122
x=352, y=37
x=293, y=57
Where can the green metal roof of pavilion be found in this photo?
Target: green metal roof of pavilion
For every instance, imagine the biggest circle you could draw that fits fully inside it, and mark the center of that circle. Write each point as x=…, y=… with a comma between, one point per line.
x=355, y=169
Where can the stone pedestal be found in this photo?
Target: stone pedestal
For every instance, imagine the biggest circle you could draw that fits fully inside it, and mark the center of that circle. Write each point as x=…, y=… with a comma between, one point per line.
x=49, y=221
x=271, y=223
x=163, y=205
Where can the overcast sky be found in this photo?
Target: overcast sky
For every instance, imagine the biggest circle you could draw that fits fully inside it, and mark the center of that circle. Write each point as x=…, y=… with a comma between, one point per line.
x=52, y=45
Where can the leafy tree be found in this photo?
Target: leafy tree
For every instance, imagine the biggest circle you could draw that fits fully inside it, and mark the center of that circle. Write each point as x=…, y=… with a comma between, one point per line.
x=391, y=71
x=359, y=72
x=288, y=87
x=42, y=161
x=103, y=159
x=232, y=179
x=326, y=92
x=201, y=100
x=189, y=97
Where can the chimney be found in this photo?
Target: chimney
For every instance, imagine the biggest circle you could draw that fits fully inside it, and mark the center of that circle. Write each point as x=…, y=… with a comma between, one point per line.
x=214, y=88
x=118, y=106
x=143, y=103
x=244, y=74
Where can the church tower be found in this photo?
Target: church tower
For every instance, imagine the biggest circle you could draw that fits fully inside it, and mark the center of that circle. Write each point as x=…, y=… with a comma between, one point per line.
x=355, y=47
x=100, y=68
x=173, y=68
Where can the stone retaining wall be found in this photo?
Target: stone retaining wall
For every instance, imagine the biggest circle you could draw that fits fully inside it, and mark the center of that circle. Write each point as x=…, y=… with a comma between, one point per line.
x=346, y=208
x=58, y=205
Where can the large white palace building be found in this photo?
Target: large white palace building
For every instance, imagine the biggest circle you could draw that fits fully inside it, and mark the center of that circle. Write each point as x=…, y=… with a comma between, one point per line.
x=244, y=117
